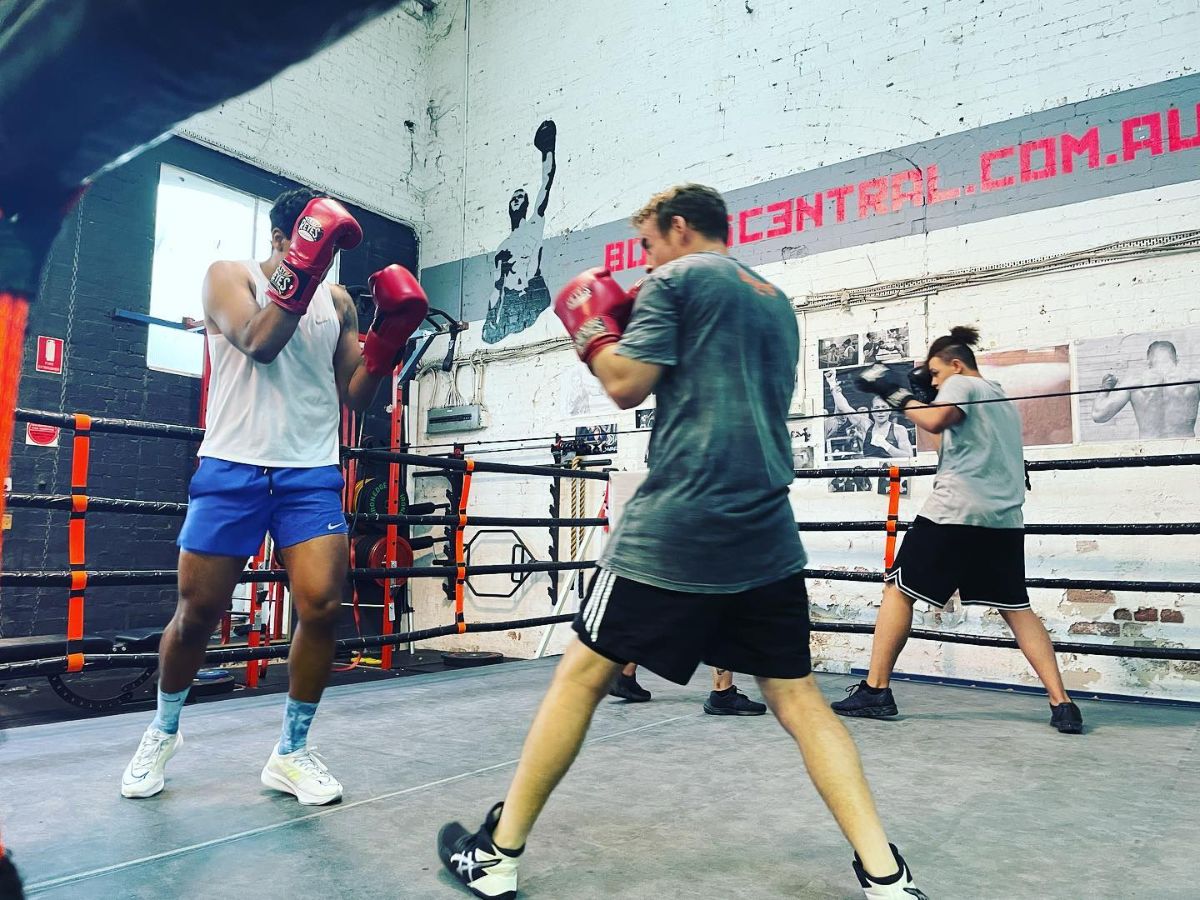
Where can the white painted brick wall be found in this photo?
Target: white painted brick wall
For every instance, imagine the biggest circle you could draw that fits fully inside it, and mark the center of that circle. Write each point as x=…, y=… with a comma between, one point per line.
x=645, y=94
x=648, y=94
x=337, y=121
x=524, y=398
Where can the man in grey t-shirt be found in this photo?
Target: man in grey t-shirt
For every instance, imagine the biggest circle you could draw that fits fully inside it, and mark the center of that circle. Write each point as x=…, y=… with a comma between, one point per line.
x=970, y=534
x=705, y=565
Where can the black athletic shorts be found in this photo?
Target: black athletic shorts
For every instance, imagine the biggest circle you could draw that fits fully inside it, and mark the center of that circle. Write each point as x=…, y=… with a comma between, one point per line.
x=985, y=565
x=763, y=631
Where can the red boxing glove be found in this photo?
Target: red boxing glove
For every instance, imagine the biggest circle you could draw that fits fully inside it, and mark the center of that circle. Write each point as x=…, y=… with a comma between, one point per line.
x=322, y=230
x=400, y=306
x=595, y=310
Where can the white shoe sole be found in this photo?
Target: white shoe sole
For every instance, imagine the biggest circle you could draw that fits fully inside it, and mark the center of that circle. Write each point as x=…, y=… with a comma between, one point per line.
x=279, y=783
x=149, y=789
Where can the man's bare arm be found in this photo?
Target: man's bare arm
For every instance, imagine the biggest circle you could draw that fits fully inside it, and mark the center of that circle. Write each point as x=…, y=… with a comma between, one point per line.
x=1105, y=406
x=356, y=386
x=546, y=140
x=627, y=381
x=231, y=309
x=860, y=421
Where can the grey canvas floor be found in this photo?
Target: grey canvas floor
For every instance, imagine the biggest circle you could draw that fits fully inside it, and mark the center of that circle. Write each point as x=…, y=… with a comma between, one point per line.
x=984, y=798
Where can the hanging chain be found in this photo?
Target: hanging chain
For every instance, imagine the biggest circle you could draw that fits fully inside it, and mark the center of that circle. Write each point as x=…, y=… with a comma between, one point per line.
x=72, y=293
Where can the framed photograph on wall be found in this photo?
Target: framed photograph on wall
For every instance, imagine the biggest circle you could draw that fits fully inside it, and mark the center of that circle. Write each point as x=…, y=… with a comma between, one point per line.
x=850, y=484
x=861, y=425
x=1127, y=371
x=886, y=345
x=802, y=433
x=596, y=439
x=838, y=351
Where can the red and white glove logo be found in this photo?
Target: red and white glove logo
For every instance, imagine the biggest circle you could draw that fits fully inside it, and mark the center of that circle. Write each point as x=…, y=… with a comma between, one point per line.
x=578, y=297
x=590, y=329
x=284, y=281
x=310, y=229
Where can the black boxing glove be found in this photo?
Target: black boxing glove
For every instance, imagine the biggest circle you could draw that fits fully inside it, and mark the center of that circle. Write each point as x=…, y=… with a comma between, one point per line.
x=883, y=382
x=920, y=382
x=546, y=137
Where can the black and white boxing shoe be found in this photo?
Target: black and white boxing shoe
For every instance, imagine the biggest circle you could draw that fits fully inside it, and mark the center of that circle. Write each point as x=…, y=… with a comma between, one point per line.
x=476, y=862
x=896, y=887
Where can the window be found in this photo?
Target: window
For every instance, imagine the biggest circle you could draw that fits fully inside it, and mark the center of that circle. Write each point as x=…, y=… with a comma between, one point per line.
x=197, y=221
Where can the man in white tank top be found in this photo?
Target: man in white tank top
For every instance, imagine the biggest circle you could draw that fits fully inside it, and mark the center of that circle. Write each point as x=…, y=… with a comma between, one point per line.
x=285, y=356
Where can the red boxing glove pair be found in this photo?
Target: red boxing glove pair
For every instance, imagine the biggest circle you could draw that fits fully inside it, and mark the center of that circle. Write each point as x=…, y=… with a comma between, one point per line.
x=324, y=228
x=595, y=310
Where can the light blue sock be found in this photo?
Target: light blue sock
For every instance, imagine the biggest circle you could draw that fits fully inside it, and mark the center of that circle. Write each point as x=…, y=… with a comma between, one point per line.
x=297, y=717
x=169, y=708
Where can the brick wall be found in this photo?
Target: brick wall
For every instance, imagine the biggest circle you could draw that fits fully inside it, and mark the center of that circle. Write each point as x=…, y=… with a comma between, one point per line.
x=644, y=96
x=352, y=120
x=106, y=375
x=430, y=119
x=740, y=94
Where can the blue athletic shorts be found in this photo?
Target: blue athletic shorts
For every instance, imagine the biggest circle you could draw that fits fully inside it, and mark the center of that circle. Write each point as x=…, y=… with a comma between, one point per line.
x=231, y=506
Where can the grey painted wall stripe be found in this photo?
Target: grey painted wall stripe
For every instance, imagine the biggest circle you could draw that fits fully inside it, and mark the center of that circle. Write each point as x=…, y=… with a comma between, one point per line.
x=1127, y=141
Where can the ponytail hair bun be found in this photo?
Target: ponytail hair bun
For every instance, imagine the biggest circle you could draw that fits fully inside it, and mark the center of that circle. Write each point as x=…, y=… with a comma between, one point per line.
x=967, y=335
x=956, y=345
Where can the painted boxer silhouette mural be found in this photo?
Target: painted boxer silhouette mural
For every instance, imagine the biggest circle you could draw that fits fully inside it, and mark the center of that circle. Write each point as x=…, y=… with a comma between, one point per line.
x=521, y=294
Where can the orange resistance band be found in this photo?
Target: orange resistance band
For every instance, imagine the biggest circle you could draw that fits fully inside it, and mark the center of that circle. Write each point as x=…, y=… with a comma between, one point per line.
x=460, y=551
x=893, y=516
x=81, y=449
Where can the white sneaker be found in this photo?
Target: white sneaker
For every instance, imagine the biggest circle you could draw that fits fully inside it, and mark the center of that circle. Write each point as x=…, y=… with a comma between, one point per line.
x=144, y=776
x=302, y=773
x=903, y=888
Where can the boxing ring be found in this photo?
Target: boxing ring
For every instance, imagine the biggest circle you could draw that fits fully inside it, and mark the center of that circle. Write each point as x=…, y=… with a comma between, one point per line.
x=57, y=656
x=417, y=750
x=662, y=800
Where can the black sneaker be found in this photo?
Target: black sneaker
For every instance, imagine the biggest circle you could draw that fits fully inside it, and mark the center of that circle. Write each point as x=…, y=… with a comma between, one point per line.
x=898, y=887
x=732, y=702
x=866, y=703
x=474, y=860
x=627, y=688
x=1067, y=718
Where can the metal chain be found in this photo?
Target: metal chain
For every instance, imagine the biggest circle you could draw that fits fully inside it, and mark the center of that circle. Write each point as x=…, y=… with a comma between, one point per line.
x=72, y=293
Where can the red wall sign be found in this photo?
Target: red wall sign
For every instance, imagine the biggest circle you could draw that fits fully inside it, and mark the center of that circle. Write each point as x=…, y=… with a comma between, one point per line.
x=41, y=435
x=49, y=355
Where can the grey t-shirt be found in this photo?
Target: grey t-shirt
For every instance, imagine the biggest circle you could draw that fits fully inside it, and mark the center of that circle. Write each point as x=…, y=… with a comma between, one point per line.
x=981, y=470
x=713, y=514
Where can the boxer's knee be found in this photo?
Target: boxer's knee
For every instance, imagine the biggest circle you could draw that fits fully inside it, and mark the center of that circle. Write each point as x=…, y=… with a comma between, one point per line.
x=196, y=617
x=318, y=608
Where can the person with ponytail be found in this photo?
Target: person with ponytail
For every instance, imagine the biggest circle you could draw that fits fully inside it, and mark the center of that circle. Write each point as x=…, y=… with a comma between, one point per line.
x=970, y=534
